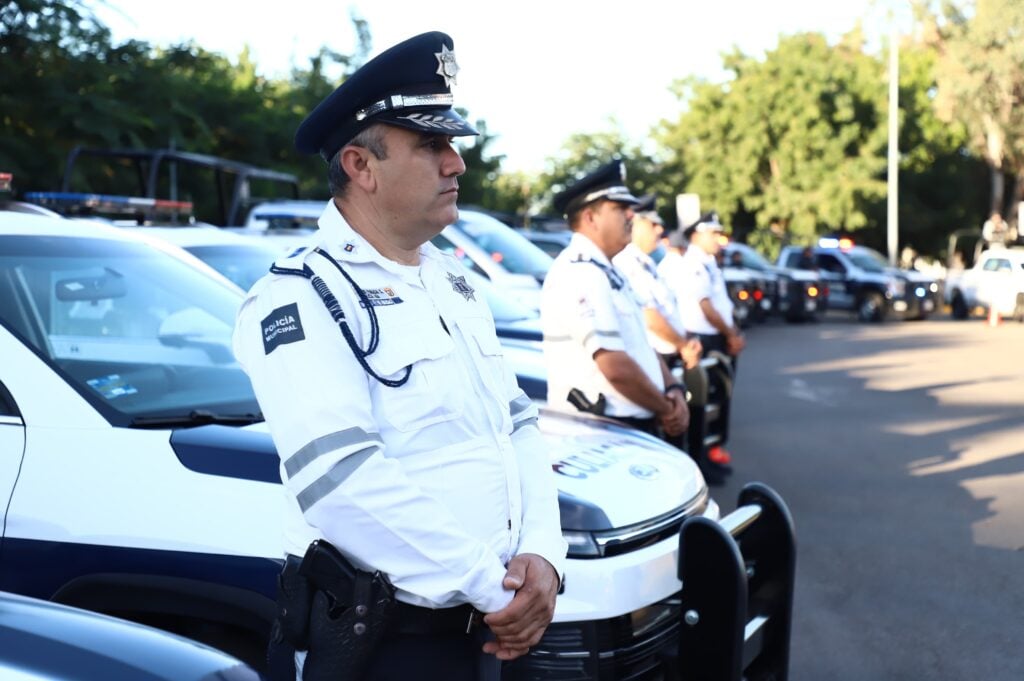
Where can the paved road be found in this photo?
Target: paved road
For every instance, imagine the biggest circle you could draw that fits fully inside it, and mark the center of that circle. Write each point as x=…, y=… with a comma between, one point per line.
x=900, y=451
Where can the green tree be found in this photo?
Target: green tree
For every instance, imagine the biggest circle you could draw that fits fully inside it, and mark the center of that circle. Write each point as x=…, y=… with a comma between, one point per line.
x=794, y=141
x=981, y=84
x=65, y=83
x=584, y=152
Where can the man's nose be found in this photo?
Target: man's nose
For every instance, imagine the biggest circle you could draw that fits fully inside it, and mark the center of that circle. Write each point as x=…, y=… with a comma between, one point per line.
x=453, y=163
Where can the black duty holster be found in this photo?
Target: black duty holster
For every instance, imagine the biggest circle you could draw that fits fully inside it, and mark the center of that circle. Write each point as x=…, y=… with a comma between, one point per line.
x=579, y=400
x=332, y=611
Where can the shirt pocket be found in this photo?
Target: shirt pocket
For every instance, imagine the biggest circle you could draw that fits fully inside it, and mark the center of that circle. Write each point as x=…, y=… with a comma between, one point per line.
x=429, y=396
x=487, y=354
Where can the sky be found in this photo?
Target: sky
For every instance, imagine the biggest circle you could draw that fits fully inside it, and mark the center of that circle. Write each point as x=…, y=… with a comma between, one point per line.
x=537, y=72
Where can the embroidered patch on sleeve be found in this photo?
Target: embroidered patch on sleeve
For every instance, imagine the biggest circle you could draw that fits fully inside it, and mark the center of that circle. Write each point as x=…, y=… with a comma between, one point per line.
x=282, y=326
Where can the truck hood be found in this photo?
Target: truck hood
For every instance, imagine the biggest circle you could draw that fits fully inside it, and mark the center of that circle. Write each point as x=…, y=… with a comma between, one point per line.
x=608, y=476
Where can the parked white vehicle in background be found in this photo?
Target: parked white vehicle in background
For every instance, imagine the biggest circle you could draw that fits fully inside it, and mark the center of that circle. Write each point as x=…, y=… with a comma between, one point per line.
x=483, y=244
x=995, y=283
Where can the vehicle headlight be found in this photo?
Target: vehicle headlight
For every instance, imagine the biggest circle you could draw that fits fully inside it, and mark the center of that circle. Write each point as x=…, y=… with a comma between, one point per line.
x=933, y=287
x=920, y=292
x=581, y=544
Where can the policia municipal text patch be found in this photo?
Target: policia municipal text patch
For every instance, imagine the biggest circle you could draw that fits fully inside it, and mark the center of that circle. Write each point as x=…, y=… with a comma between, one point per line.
x=282, y=326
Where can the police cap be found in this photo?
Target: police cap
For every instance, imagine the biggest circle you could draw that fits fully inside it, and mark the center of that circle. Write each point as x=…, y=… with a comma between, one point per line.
x=677, y=239
x=408, y=85
x=708, y=223
x=646, y=208
x=607, y=182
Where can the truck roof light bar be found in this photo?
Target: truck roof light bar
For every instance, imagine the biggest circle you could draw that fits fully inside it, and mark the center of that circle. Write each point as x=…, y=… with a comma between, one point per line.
x=77, y=204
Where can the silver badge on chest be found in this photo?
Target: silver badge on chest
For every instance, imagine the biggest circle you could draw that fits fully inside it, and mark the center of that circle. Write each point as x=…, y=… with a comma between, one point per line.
x=459, y=285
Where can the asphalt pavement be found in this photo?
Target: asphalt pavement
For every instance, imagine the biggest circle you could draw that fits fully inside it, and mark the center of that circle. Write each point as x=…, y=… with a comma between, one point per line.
x=899, y=448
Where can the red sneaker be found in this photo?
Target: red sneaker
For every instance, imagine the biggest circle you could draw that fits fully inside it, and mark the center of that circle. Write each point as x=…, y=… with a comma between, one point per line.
x=719, y=455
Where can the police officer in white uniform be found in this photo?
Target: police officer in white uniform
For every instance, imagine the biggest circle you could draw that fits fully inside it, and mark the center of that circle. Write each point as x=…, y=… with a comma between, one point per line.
x=405, y=441
x=704, y=303
x=595, y=341
x=665, y=328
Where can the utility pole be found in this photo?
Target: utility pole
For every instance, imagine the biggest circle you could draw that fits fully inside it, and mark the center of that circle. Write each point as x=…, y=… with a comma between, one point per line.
x=892, y=204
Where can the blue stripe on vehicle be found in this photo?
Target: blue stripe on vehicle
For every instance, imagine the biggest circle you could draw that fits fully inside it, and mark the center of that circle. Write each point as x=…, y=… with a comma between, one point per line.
x=227, y=451
x=536, y=388
x=41, y=568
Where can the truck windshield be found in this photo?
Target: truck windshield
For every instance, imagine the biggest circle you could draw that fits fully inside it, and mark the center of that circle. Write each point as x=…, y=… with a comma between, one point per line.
x=135, y=330
x=512, y=250
x=868, y=259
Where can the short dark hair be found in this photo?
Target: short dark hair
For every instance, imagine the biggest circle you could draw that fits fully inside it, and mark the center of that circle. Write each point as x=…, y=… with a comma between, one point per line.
x=371, y=139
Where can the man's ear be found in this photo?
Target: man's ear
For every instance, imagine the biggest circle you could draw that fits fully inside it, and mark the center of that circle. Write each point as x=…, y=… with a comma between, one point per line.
x=355, y=162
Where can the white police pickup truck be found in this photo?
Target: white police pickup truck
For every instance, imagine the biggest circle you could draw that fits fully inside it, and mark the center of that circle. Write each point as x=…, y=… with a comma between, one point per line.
x=995, y=283
x=137, y=479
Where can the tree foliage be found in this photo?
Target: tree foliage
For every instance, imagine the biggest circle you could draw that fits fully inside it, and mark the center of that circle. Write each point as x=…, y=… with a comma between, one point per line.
x=795, y=141
x=981, y=83
x=65, y=83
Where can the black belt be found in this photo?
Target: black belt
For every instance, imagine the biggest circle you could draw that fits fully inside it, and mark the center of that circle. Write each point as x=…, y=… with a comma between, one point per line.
x=648, y=425
x=413, y=619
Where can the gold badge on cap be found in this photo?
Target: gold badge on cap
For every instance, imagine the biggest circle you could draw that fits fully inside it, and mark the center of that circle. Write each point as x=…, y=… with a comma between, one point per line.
x=447, y=66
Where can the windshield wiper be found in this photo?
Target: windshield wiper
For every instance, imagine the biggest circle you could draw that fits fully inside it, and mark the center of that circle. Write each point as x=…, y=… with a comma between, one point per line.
x=196, y=417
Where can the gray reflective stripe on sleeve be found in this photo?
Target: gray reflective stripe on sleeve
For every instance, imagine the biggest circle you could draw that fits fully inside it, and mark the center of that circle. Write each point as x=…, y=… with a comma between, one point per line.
x=330, y=480
x=525, y=422
x=605, y=334
x=557, y=339
x=328, y=443
x=519, y=405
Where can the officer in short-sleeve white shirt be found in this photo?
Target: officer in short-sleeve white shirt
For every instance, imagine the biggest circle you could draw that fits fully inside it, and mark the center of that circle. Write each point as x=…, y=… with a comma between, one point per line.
x=665, y=329
x=699, y=286
x=595, y=342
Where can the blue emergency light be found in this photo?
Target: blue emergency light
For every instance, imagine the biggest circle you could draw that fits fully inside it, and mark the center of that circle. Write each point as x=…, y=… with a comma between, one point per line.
x=107, y=203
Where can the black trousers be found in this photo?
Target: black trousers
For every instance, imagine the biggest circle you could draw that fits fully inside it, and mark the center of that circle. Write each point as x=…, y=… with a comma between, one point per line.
x=716, y=341
x=441, y=657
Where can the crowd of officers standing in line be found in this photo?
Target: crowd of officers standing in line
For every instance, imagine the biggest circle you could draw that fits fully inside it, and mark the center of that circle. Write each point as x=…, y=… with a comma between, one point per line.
x=616, y=322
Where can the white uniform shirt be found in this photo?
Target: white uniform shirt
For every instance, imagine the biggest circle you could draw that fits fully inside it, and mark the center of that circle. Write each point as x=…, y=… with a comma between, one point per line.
x=583, y=312
x=437, y=483
x=642, y=273
x=693, y=277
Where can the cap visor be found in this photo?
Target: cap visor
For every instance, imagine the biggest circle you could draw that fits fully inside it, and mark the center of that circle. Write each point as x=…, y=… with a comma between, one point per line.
x=434, y=121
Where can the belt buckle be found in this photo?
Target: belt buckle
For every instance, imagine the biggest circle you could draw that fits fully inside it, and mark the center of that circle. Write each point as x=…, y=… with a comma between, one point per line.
x=473, y=620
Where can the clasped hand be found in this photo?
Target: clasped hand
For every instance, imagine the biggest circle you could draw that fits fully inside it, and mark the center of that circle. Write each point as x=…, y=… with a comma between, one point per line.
x=520, y=624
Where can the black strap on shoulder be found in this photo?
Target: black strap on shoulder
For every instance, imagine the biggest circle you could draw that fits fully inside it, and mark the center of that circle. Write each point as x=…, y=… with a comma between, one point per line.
x=614, y=278
x=338, y=315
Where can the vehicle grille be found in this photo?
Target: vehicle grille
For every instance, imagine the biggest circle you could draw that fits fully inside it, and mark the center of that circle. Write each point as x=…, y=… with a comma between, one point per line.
x=623, y=648
x=633, y=537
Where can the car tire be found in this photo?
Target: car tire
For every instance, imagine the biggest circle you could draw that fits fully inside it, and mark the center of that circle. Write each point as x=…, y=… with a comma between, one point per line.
x=958, y=306
x=870, y=307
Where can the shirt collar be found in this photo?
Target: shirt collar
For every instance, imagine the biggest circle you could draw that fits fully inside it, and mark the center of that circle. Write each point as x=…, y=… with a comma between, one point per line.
x=345, y=244
x=586, y=249
x=700, y=255
x=633, y=251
